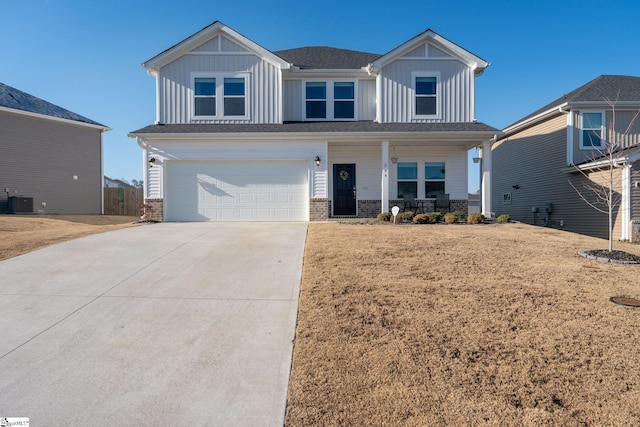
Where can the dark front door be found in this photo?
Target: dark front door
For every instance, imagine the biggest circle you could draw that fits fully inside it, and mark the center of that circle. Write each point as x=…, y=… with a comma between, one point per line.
x=344, y=189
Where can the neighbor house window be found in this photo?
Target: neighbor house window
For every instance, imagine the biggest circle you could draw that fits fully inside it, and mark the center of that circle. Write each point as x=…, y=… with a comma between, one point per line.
x=591, y=132
x=407, y=179
x=343, y=100
x=316, y=95
x=220, y=96
x=330, y=100
x=205, y=96
x=426, y=95
x=434, y=177
x=234, y=98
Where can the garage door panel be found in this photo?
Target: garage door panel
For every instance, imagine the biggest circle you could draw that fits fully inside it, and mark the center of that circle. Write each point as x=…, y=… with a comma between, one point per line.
x=237, y=191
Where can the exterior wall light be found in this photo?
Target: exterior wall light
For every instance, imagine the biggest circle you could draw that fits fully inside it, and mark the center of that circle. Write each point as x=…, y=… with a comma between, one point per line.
x=317, y=159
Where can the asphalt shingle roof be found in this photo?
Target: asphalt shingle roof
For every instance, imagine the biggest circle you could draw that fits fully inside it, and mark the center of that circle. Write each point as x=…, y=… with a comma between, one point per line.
x=327, y=58
x=320, y=127
x=17, y=100
x=604, y=86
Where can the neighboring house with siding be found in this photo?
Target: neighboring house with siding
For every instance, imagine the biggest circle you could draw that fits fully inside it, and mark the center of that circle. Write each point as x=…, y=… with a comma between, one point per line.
x=243, y=133
x=49, y=154
x=538, y=157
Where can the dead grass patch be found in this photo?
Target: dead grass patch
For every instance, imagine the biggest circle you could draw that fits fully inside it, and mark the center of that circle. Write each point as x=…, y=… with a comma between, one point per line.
x=25, y=233
x=463, y=325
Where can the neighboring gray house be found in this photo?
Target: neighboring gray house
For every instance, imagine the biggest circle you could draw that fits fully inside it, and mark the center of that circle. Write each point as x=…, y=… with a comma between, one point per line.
x=243, y=133
x=49, y=156
x=538, y=156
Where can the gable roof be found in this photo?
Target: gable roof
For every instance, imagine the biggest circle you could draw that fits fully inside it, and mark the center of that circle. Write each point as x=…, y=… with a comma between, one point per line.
x=625, y=88
x=477, y=63
x=204, y=35
x=327, y=58
x=14, y=99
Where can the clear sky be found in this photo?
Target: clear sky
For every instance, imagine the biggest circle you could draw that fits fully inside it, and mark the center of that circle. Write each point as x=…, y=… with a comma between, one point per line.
x=85, y=55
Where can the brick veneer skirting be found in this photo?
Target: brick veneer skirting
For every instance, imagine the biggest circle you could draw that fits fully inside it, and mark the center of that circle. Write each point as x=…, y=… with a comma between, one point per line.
x=371, y=208
x=635, y=231
x=318, y=209
x=157, y=208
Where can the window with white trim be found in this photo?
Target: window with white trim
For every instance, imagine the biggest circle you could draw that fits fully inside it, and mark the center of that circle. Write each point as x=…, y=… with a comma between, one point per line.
x=330, y=100
x=591, y=129
x=407, y=179
x=434, y=179
x=425, y=86
x=220, y=96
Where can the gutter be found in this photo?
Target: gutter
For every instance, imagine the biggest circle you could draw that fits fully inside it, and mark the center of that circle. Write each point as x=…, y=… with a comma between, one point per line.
x=535, y=119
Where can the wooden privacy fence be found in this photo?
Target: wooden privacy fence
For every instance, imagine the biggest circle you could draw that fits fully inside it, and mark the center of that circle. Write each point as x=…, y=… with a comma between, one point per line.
x=123, y=201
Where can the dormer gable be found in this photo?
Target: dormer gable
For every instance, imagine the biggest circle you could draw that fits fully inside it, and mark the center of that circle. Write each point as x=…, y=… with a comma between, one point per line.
x=218, y=38
x=431, y=45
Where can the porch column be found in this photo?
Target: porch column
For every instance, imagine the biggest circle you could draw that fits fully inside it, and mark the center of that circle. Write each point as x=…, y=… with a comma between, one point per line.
x=625, y=203
x=486, y=179
x=385, y=176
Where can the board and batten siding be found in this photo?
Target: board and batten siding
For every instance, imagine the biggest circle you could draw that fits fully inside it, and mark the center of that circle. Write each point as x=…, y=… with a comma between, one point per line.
x=263, y=87
x=455, y=96
x=294, y=106
x=534, y=159
x=635, y=192
x=454, y=158
x=166, y=151
x=40, y=158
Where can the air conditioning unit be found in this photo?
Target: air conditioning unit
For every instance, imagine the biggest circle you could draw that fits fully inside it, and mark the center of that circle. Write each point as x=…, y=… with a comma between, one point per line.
x=20, y=204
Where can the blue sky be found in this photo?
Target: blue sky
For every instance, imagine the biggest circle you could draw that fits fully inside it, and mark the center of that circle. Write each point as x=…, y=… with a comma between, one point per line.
x=85, y=55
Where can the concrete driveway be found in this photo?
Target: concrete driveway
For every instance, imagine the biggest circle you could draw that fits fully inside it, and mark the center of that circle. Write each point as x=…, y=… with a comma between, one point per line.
x=165, y=324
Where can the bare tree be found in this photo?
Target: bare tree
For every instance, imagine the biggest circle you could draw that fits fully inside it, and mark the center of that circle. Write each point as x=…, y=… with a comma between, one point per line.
x=607, y=146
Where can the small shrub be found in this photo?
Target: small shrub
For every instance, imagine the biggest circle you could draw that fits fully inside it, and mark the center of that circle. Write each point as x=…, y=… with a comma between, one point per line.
x=384, y=216
x=475, y=218
x=504, y=218
x=421, y=219
x=459, y=214
x=406, y=216
x=434, y=217
x=451, y=218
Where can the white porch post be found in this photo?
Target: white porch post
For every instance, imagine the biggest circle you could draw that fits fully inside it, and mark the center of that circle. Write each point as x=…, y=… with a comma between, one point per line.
x=625, y=203
x=385, y=176
x=486, y=179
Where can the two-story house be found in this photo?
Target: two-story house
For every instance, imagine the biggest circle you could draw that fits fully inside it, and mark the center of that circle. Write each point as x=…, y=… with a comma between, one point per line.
x=243, y=133
x=549, y=165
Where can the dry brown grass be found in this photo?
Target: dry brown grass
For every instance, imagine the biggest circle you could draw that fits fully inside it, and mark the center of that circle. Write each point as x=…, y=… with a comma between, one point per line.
x=437, y=325
x=20, y=234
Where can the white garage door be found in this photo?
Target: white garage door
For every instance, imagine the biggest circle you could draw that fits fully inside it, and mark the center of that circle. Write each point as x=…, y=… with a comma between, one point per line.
x=237, y=191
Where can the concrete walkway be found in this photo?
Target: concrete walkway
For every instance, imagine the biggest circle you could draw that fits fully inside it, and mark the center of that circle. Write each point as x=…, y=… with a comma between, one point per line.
x=166, y=324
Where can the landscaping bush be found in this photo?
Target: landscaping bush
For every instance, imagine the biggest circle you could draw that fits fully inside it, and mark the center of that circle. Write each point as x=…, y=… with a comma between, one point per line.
x=434, y=217
x=504, y=218
x=421, y=219
x=451, y=218
x=475, y=218
x=406, y=216
x=384, y=216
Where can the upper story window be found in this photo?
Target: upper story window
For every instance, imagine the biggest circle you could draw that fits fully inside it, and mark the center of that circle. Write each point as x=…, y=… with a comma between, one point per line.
x=426, y=94
x=329, y=100
x=220, y=96
x=205, y=96
x=434, y=178
x=591, y=127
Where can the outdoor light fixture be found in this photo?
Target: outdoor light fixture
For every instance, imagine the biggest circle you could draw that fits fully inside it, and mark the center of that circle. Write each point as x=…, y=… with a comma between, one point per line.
x=152, y=161
x=515, y=187
x=394, y=160
x=476, y=159
x=317, y=159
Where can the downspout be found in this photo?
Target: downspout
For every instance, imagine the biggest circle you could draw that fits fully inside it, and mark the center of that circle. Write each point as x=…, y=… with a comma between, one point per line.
x=145, y=172
x=563, y=109
x=625, y=202
x=101, y=172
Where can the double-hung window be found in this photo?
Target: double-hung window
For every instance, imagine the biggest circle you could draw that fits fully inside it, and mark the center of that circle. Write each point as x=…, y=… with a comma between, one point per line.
x=219, y=96
x=434, y=178
x=426, y=94
x=329, y=100
x=343, y=100
x=407, y=179
x=591, y=130
x=205, y=96
x=316, y=100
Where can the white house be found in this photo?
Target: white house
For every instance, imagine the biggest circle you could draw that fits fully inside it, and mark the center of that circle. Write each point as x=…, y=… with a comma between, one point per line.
x=246, y=134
